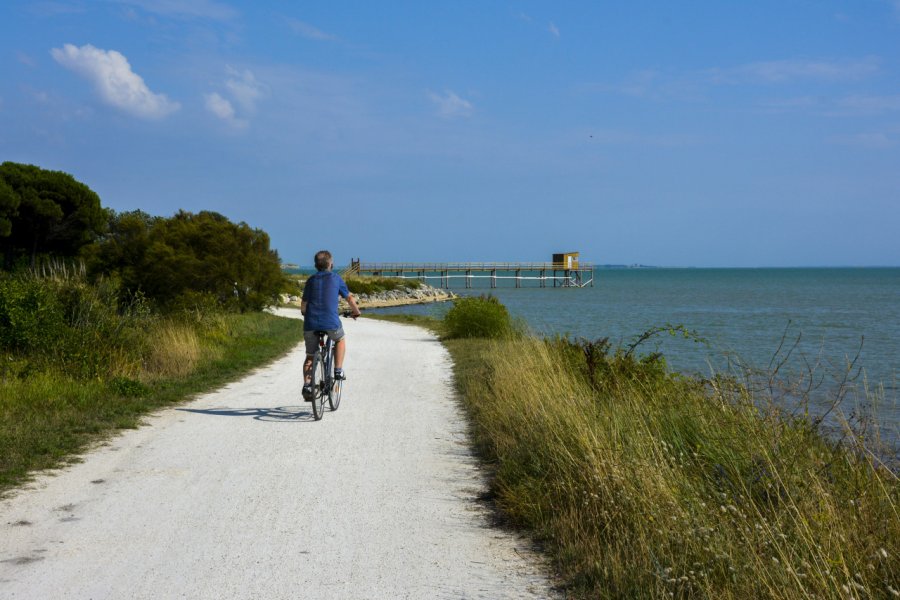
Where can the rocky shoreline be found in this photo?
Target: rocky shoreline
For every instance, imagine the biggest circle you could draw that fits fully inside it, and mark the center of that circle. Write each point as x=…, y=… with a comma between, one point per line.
x=399, y=297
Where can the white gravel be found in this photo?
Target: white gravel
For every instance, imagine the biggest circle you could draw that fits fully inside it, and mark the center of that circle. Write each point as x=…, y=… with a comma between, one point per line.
x=240, y=494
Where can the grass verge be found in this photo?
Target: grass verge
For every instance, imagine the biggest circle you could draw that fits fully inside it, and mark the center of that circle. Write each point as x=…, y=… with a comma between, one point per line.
x=48, y=416
x=641, y=484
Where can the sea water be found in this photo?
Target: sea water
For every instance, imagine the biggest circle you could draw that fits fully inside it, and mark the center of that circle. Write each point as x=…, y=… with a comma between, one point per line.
x=822, y=319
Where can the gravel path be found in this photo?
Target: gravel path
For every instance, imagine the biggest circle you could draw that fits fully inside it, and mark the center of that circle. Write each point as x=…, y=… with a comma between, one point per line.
x=240, y=494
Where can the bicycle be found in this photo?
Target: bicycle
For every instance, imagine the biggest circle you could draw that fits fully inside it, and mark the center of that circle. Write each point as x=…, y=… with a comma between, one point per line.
x=323, y=383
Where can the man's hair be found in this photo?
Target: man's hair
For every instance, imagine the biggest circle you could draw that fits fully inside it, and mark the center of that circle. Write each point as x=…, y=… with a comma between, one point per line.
x=323, y=259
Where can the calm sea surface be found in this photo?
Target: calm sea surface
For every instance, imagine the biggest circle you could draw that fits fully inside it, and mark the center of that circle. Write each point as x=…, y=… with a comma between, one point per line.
x=743, y=313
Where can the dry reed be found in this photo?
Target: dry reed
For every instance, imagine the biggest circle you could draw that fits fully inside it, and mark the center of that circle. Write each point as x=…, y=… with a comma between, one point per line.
x=658, y=487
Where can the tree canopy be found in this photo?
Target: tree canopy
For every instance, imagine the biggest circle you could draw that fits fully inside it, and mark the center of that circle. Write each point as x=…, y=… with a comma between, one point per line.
x=173, y=259
x=185, y=258
x=45, y=212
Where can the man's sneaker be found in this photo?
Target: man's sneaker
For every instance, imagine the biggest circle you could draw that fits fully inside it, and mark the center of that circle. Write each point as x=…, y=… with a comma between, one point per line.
x=339, y=375
x=307, y=392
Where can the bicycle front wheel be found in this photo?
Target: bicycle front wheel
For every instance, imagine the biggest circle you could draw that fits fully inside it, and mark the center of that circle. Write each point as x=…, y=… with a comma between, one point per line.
x=318, y=384
x=334, y=399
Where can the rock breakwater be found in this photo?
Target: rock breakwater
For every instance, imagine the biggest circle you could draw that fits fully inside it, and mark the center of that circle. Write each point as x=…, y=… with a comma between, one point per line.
x=398, y=297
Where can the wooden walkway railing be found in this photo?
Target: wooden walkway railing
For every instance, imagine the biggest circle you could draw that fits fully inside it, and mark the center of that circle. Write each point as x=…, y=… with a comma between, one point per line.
x=561, y=275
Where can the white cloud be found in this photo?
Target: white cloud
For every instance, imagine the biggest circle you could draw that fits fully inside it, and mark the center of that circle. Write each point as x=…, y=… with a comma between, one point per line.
x=206, y=9
x=450, y=105
x=630, y=138
x=896, y=5
x=309, y=32
x=224, y=110
x=871, y=141
x=786, y=71
x=114, y=80
x=553, y=29
x=38, y=96
x=26, y=59
x=870, y=104
x=51, y=8
x=244, y=88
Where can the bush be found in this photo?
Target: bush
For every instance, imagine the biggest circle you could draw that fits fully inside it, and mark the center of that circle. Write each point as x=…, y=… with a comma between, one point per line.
x=67, y=324
x=31, y=315
x=483, y=317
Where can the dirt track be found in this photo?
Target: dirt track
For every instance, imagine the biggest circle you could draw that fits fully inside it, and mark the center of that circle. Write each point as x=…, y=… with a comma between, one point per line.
x=240, y=494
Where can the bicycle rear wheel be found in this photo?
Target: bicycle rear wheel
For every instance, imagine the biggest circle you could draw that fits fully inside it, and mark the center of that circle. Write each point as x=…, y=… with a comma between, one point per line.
x=318, y=384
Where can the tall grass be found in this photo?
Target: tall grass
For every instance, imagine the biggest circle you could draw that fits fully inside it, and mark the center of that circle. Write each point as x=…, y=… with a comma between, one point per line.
x=174, y=353
x=644, y=484
x=77, y=361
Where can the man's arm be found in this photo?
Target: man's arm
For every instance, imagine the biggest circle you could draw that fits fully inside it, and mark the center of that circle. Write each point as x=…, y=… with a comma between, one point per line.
x=352, y=302
x=303, y=308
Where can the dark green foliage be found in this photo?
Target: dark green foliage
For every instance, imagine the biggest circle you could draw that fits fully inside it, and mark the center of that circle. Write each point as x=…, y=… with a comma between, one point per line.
x=184, y=261
x=45, y=212
x=130, y=388
x=482, y=316
x=191, y=259
x=9, y=204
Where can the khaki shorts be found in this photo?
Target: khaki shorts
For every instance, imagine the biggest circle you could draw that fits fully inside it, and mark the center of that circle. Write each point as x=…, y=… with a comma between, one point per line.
x=312, y=340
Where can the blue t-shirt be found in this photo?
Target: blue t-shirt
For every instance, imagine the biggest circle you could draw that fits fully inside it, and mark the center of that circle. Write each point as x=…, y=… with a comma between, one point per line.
x=321, y=296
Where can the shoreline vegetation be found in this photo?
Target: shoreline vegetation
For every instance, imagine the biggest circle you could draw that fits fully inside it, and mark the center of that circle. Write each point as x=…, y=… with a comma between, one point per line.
x=375, y=292
x=641, y=483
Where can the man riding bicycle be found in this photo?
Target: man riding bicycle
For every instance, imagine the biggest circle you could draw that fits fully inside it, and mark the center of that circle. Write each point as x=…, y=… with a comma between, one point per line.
x=320, y=313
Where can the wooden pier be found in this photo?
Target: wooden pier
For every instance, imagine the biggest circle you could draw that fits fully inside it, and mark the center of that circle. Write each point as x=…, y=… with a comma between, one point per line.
x=561, y=274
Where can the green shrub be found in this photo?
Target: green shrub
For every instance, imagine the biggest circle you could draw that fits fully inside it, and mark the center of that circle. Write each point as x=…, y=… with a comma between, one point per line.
x=70, y=325
x=31, y=315
x=483, y=317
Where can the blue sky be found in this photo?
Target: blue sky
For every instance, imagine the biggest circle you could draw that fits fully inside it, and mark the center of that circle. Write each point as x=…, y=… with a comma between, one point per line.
x=762, y=133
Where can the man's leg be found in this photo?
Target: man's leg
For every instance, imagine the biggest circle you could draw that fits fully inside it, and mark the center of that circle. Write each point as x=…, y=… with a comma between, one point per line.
x=307, y=369
x=340, y=348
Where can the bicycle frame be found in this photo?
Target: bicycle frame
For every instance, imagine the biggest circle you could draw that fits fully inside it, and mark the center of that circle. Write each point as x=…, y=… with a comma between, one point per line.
x=325, y=386
x=326, y=346
x=323, y=380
